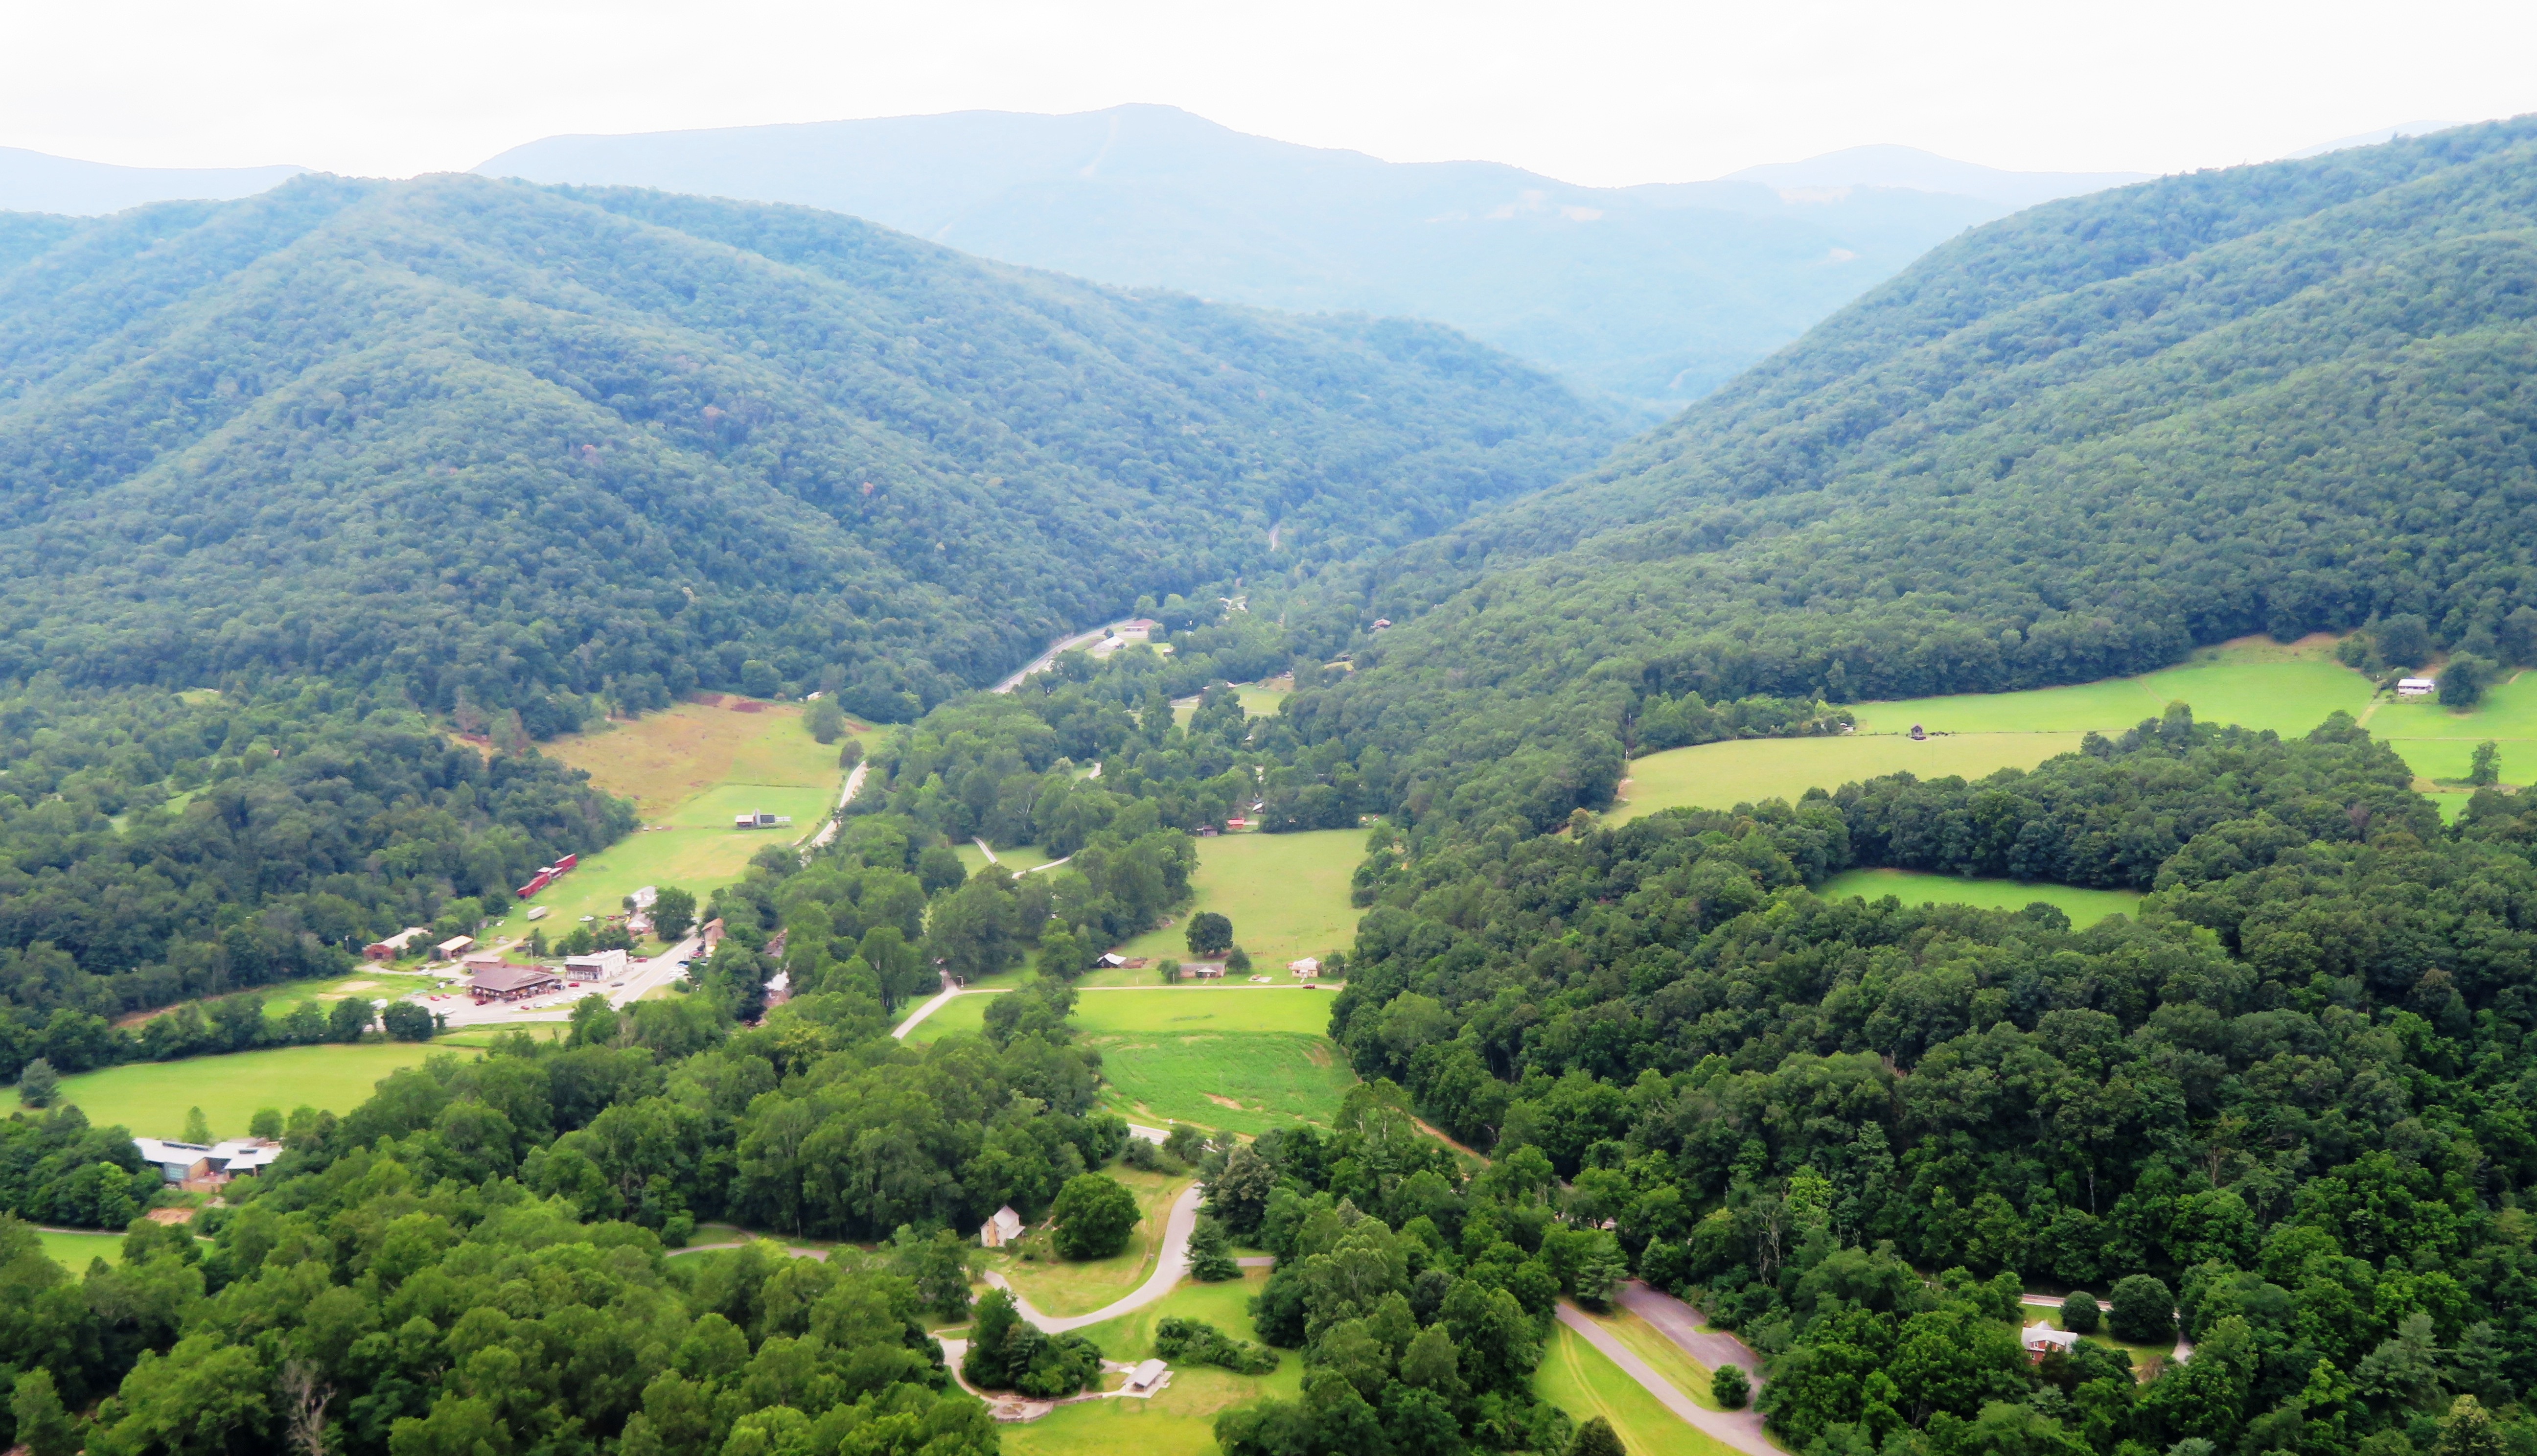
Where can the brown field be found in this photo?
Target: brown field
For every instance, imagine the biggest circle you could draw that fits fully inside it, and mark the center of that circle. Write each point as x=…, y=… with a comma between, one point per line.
x=666, y=758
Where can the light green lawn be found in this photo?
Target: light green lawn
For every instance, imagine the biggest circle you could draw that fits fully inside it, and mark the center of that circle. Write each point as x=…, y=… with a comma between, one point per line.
x=1181, y=1420
x=150, y=1097
x=2254, y=682
x=1064, y=1286
x=1286, y=894
x=2085, y=907
x=73, y=1251
x=1016, y=860
x=2438, y=742
x=1668, y=1359
x=1577, y=1377
x=1190, y=1011
x=1721, y=775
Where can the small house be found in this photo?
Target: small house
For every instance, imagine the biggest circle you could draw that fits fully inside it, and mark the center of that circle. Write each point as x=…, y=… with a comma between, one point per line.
x=1306, y=969
x=2416, y=687
x=455, y=946
x=1001, y=1230
x=1110, y=960
x=502, y=982
x=2041, y=1339
x=1203, y=970
x=712, y=933
x=395, y=945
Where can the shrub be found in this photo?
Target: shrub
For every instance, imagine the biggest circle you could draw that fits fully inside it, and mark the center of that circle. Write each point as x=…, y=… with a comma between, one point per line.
x=1730, y=1386
x=2079, y=1313
x=1597, y=1438
x=2142, y=1310
x=38, y=1083
x=1198, y=1343
x=1095, y=1217
x=1237, y=961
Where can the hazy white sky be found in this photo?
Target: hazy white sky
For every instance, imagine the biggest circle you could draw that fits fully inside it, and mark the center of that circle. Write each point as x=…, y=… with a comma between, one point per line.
x=1589, y=90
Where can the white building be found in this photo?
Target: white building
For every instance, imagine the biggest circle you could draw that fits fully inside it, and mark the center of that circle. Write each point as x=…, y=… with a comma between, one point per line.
x=1002, y=1229
x=2416, y=687
x=235, y=1158
x=2041, y=1339
x=1306, y=969
x=597, y=965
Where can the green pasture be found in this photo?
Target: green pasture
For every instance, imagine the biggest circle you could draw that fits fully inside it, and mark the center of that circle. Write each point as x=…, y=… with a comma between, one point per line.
x=1183, y=1011
x=1286, y=894
x=1721, y=775
x=73, y=1251
x=2085, y=907
x=1181, y=1420
x=698, y=851
x=1241, y=1081
x=2255, y=682
x=1581, y=1380
x=150, y=1097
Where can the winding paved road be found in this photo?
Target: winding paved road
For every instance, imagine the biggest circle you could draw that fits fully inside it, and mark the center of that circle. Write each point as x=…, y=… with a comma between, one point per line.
x=1681, y=1323
x=1041, y=663
x=1168, y=1270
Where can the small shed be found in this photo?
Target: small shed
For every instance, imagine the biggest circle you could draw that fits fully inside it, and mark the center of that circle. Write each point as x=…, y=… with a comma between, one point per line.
x=1148, y=1378
x=1203, y=970
x=2416, y=687
x=395, y=945
x=1001, y=1230
x=1110, y=960
x=455, y=946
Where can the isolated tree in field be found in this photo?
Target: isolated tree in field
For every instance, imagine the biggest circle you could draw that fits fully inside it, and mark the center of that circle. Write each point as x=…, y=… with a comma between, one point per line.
x=403, y=1020
x=1211, y=1254
x=2485, y=768
x=38, y=1083
x=2463, y=681
x=1237, y=960
x=1730, y=1386
x=198, y=1128
x=1597, y=1438
x=1210, y=933
x=674, y=913
x=1095, y=1216
x=2142, y=1310
x=825, y=720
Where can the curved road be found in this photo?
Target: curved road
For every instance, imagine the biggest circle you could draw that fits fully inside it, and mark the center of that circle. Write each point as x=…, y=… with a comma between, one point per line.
x=1168, y=1270
x=1041, y=663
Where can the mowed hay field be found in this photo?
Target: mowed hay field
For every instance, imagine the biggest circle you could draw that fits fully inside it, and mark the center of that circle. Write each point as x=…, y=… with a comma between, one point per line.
x=2085, y=907
x=150, y=1097
x=73, y=1251
x=1581, y=1380
x=2257, y=683
x=1228, y=1059
x=689, y=770
x=1286, y=894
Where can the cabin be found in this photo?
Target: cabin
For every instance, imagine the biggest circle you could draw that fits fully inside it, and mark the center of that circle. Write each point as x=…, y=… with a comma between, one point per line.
x=1001, y=1230
x=2416, y=687
x=597, y=965
x=2041, y=1339
x=395, y=945
x=1306, y=969
x=455, y=946
x=502, y=982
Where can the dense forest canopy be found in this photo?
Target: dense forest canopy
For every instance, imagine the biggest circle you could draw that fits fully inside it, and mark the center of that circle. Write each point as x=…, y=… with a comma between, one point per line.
x=2068, y=445
x=516, y=441
x=2294, y=1092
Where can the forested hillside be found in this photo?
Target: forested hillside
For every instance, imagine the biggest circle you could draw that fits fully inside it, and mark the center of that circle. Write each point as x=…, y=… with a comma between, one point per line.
x=2290, y=1098
x=2068, y=445
x=514, y=441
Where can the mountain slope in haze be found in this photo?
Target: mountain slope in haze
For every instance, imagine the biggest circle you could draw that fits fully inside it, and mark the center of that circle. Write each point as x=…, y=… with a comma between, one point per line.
x=518, y=441
x=1656, y=293
x=2072, y=444
x=1928, y=172
x=37, y=182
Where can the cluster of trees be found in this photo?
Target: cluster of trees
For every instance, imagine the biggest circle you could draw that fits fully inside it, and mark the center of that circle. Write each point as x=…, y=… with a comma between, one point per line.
x=1420, y=1299
x=155, y=848
x=2294, y=1089
x=866, y=464
x=1995, y=472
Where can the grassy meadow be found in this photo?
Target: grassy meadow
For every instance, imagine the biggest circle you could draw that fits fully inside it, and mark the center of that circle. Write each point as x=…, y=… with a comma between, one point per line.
x=1721, y=775
x=1226, y=1059
x=1286, y=894
x=1581, y=1380
x=150, y=1097
x=73, y=1251
x=689, y=770
x=2288, y=687
x=2085, y=907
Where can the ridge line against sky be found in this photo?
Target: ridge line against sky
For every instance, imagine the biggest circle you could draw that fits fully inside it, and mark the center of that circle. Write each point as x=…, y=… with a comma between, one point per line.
x=1594, y=95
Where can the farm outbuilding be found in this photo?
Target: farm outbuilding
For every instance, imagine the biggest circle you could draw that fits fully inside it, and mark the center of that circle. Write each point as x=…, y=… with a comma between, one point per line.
x=395, y=945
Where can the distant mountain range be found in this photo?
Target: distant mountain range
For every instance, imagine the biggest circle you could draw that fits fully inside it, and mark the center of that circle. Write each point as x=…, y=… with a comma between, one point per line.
x=1655, y=293
x=33, y=182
